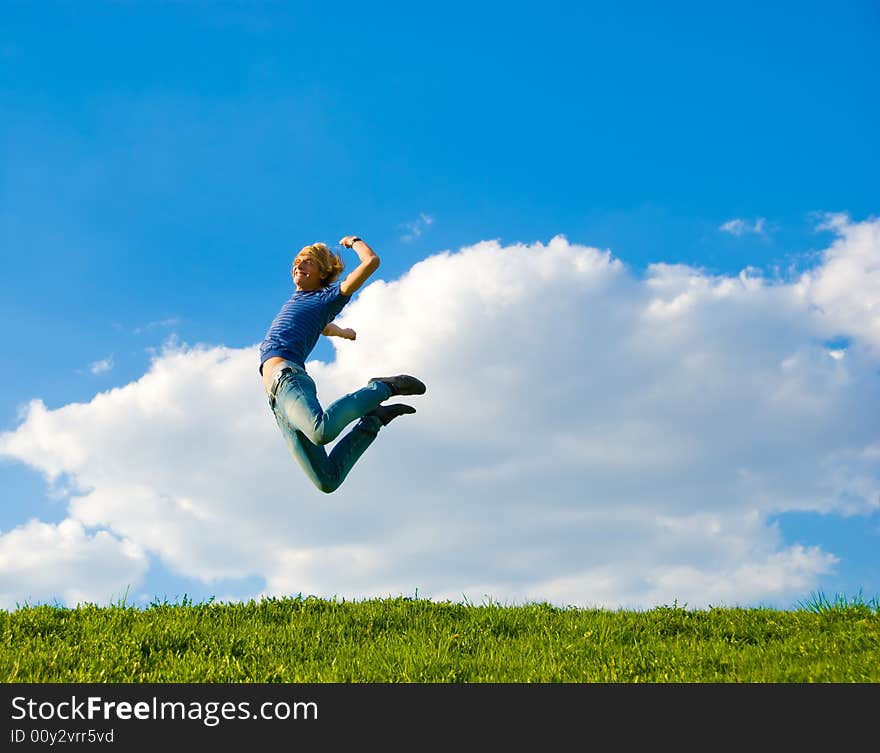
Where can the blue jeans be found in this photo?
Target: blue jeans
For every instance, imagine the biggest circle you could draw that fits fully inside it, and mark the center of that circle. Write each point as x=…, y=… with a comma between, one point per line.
x=306, y=427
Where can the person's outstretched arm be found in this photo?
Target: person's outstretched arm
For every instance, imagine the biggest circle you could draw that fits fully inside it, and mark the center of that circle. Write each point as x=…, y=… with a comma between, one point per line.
x=369, y=264
x=334, y=330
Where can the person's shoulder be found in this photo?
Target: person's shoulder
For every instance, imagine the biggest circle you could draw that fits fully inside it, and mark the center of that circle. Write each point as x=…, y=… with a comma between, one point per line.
x=333, y=291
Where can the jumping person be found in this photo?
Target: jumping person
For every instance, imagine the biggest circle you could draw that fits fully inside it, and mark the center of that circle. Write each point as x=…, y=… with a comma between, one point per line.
x=292, y=393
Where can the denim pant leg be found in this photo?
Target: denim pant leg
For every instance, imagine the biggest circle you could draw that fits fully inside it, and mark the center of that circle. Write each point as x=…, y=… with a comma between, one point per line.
x=297, y=400
x=327, y=472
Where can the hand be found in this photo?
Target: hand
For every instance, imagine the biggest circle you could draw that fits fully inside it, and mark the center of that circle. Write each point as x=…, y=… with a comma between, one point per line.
x=349, y=240
x=348, y=333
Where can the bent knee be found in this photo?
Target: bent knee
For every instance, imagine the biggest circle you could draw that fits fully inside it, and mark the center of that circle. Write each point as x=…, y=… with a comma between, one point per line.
x=328, y=487
x=317, y=435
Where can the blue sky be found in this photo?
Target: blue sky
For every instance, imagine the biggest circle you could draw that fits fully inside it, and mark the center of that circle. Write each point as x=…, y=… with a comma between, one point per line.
x=162, y=163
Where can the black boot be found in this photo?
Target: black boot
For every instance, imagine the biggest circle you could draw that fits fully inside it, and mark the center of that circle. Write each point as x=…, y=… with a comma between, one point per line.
x=387, y=413
x=402, y=384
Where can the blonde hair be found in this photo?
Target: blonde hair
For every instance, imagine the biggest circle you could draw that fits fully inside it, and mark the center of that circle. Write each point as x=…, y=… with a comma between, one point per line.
x=329, y=264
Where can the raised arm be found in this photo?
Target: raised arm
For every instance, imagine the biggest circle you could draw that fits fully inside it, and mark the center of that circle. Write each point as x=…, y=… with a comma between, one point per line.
x=369, y=264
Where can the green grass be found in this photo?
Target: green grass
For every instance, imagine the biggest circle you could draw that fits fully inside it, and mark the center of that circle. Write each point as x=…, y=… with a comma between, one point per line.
x=413, y=640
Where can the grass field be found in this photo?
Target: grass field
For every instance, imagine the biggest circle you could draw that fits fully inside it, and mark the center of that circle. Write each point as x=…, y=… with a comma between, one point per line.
x=405, y=640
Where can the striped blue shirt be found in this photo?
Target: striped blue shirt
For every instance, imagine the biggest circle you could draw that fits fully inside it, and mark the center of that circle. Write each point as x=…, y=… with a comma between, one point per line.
x=297, y=326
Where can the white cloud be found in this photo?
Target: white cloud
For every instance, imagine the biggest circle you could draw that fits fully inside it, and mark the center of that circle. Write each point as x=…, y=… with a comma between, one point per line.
x=740, y=227
x=415, y=228
x=41, y=563
x=845, y=287
x=159, y=324
x=588, y=437
x=102, y=366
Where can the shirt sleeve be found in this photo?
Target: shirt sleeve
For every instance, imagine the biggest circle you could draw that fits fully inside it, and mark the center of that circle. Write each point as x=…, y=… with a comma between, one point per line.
x=335, y=301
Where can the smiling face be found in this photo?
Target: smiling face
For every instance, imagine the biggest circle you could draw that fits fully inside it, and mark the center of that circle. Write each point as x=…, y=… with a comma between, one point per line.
x=315, y=266
x=306, y=273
